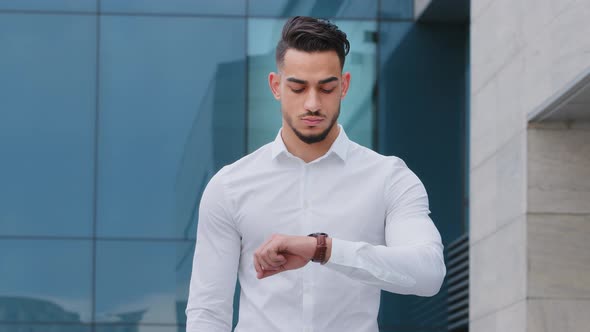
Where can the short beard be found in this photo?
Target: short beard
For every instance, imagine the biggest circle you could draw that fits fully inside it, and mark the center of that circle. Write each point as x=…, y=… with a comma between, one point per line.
x=311, y=139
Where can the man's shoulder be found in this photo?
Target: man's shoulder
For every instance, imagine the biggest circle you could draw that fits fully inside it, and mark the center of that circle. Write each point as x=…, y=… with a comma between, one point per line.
x=364, y=154
x=251, y=161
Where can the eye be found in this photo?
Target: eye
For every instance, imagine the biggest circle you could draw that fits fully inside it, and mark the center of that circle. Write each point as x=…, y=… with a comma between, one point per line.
x=298, y=90
x=327, y=91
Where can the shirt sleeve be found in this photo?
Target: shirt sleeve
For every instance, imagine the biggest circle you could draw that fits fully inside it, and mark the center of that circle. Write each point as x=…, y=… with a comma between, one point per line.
x=215, y=264
x=412, y=260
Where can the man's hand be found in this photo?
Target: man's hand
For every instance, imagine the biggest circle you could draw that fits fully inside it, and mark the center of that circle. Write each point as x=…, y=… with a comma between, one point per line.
x=282, y=253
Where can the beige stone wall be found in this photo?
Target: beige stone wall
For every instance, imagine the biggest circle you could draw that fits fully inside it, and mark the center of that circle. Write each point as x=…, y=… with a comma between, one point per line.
x=558, y=227
x=523, y=53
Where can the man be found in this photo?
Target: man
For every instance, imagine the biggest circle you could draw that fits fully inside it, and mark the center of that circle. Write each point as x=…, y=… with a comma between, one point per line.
x=312, y=194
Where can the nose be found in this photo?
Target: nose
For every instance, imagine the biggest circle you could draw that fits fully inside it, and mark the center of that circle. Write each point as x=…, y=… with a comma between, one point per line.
x=312, y=101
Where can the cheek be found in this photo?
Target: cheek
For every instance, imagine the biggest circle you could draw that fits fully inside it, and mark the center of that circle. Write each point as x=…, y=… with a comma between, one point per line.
x=290, y=106
x=291, y=100
x=332, y=100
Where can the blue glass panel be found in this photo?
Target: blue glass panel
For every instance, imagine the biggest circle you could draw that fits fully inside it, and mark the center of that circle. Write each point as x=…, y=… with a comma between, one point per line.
x=396, y=9
x=53, y=5
x=317, y=8
x=434, y=89
x=172, y=110
x=45, y=280
x=358, y=107
x=217, y=7
x=139, y=328
x=143, y=282
x=47, y=111
x=421, y=119
x=44, y=328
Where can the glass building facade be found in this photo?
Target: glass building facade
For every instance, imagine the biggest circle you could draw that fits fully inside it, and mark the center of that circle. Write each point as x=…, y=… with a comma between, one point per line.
x=114, y=114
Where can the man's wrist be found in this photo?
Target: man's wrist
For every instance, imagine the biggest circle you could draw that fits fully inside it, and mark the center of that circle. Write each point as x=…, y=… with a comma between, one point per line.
x=322, y=247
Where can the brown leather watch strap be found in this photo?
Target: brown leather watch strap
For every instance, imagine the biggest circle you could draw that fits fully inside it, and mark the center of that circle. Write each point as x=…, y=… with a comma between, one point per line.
x=321, y=248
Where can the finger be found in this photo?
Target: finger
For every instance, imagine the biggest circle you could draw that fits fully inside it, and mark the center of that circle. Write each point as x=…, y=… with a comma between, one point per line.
x=276, y=258
x=261, y=263
x=264, y=253
x=265, y=243
x=272, y=258
x=270, y=252
x=257, y=266
x=268, y=273
x=267, y=264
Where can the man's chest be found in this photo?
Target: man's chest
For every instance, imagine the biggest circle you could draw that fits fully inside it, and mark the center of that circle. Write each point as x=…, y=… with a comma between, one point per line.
x=302, y=201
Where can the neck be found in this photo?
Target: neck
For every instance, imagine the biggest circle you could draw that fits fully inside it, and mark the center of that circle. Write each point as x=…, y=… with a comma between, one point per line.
x=304, y=151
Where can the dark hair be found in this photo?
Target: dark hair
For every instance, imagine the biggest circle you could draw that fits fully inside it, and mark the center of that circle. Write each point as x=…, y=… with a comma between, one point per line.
x=310, y=34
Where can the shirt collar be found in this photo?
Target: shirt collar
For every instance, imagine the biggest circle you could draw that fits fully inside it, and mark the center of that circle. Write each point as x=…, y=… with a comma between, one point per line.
x=339, y=147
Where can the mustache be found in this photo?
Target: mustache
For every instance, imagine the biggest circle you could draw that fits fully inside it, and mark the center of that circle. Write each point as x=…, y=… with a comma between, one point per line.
x=310, y=113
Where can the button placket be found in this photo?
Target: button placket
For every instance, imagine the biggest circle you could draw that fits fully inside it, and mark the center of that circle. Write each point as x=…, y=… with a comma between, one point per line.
x=303, y=186
x=307, y=271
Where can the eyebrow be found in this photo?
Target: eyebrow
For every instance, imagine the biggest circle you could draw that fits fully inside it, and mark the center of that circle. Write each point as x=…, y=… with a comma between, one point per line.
x=328, y=80
x=324, y=81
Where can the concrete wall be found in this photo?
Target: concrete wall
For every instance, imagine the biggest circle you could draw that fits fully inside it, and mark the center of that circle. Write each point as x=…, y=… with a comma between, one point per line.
x=522, y=53
x=558, y=227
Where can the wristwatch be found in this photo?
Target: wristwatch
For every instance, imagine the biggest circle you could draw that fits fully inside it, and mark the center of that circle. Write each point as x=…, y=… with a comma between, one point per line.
x=320, y=250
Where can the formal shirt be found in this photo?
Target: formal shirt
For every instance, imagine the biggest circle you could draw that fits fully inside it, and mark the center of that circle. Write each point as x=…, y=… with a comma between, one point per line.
x=373, y=207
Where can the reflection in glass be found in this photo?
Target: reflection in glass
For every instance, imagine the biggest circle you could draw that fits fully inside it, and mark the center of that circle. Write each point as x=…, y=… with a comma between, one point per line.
x=433, y=88
x=172, y=113
x=57, y=5
x=357, y=113
x=316, y=8
x=421, y=93
x=396, y=9
x=45, y=280
x=143, y=282
x=47, y=110
x=138, y=328
x=217, y=7
x=44, y=328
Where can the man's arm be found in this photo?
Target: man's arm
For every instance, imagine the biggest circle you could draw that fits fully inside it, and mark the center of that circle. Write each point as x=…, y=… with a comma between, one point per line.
x=411, y=262
x=215, y=264
x=402, y=267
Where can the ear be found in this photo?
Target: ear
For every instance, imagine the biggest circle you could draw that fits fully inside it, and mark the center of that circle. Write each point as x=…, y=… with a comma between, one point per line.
x=274, y=82
x=345, y=84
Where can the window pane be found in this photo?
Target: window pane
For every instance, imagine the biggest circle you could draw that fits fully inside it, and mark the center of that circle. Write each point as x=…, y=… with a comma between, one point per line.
x=45, y=280
x=397, y=9
x=172, y=109
x=61, y=5
x=316, y=8
x=143, y=282
x=138, y=328
x=44, y=328
x=217, y=7
x=433, y=88
x=47, y=116
x=357, y=112
x=420, y=93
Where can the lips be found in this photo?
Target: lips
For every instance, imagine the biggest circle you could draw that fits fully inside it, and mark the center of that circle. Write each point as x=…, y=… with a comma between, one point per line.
x=311, y=120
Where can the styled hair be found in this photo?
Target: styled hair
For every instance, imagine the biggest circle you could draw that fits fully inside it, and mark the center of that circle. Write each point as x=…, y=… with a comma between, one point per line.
x=310, y=34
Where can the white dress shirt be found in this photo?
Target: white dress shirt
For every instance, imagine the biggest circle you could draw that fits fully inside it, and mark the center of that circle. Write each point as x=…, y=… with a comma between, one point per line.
x=372, y=206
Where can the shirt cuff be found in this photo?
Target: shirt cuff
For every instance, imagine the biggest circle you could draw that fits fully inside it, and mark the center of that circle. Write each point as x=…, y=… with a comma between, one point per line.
x=343, y=252
x=346, y=258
